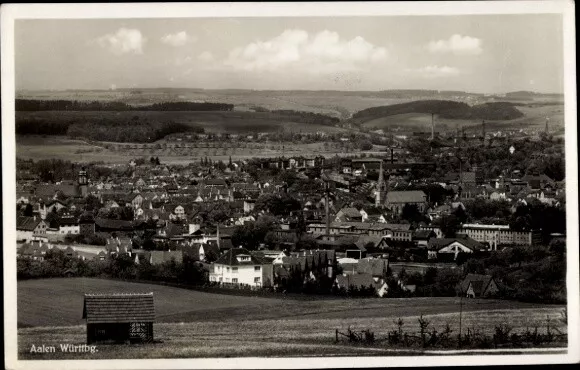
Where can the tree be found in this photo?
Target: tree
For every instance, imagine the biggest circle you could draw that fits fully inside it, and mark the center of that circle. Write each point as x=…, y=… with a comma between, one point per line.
x=460, y=213
x=411, y=213
x=28, y=210
x=449, y=225
x=217, y=216
x=251, y=234
x=365, y=145
x=92, y=203
x=279, y=205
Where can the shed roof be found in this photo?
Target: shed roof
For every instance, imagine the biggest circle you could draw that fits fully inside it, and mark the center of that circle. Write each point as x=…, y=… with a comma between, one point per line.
x=119, y=308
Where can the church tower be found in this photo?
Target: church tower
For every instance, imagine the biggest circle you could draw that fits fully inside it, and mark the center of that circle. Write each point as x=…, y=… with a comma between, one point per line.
x=381, y=191
x=83, y=182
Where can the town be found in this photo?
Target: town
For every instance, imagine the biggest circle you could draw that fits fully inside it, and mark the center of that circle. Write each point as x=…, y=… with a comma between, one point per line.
x=335, y=186
x=434, y=214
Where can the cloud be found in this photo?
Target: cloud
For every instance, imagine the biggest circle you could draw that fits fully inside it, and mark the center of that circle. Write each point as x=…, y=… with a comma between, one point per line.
x=177, y=39
x=324, y=52
x=182, y=61
x=125, y=40
x=435, y=71
x=206, y=56
x=457, y=44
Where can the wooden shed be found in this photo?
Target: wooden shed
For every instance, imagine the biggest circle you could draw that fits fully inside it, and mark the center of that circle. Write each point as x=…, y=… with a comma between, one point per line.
x=119, y=317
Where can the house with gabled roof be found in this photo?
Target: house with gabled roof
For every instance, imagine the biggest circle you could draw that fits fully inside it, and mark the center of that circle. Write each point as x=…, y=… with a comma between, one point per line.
x=239, y=267
x=376, y=267
x=421, y=237
x=538, y=181
x=450, y=248
x=361, y=281
x=372, y=214
x=478, y=286
x=69, y=225
x=348, y=214
x=55, y=204
x=29, y=227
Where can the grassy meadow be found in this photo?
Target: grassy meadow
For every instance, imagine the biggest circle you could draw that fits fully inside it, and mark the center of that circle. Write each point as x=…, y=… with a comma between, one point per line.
x=199, y=324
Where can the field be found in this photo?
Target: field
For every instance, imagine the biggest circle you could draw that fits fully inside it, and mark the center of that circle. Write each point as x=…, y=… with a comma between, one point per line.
x=200, y=324
x=234, y=122
x=38, y=147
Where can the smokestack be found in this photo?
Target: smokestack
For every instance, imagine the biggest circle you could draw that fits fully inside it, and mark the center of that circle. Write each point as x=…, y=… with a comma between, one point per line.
x=327, y=209
x=392, y=159
x=218, y=236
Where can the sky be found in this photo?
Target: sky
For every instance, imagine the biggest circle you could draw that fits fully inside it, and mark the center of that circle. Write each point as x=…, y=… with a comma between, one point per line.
x=475, y=53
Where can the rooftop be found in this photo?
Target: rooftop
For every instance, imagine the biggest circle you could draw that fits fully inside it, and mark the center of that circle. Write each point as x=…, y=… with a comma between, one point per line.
x=119, y=308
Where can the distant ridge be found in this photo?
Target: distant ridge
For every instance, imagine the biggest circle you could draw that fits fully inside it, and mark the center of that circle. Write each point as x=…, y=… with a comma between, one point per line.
x=386, y=92
x=444, y=109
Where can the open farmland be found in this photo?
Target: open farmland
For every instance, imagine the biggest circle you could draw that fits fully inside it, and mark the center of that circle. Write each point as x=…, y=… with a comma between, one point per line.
x=168, y=151
x=211, y=122
x=200, y=324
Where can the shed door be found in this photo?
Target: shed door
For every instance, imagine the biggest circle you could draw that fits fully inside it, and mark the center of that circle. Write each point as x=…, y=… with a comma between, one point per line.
x=138, y=330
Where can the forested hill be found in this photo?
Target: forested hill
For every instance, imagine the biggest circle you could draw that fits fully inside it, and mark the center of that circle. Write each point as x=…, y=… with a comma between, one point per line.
x=27, y=105
x=444, y=109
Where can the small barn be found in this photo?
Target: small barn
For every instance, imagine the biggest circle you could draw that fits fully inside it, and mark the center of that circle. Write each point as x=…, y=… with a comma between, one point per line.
x=119, y=317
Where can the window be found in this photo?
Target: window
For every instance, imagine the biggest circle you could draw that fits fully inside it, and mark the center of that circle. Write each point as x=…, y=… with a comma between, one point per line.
x=257, y=280
x=227, y=269
x=257, y=268
x=234, y=269
x=234, y=280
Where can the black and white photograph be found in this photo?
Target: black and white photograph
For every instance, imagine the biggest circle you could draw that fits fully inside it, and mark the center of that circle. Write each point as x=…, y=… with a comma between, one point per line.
x=289, y=185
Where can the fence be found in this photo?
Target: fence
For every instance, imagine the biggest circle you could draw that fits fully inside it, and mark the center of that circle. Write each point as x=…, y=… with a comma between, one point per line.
x=429, y=337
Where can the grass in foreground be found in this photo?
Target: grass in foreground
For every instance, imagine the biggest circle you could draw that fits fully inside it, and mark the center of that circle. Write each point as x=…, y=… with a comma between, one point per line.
x=267, y=338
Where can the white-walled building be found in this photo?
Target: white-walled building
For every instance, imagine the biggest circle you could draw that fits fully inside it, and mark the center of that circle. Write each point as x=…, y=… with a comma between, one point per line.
x=498, y=235
x=28, y=228
x=238, y=266
x=69, y=225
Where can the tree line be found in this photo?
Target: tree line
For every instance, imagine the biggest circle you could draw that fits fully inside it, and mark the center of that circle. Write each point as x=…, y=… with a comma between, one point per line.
x=444, y=109
x=134, y=130
x=57, y=264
